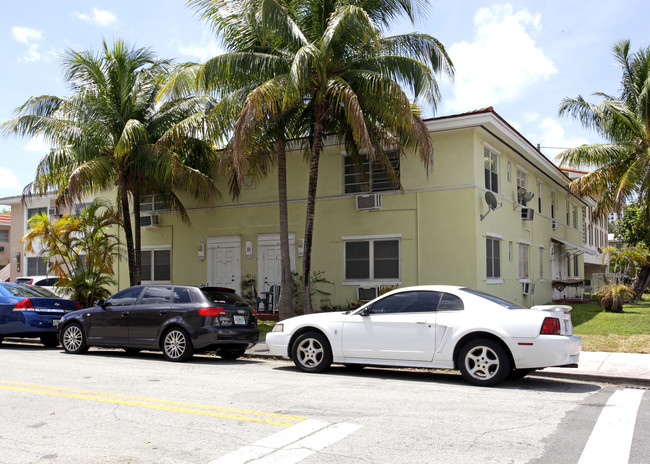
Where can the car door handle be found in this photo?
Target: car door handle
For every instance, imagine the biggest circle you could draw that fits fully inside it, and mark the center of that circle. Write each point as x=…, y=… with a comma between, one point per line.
x=125, y=314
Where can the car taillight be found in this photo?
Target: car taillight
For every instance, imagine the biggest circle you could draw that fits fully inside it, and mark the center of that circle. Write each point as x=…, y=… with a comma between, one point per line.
x=550, y=326
x=78, y=306
x=211, y=312
x=24, y=305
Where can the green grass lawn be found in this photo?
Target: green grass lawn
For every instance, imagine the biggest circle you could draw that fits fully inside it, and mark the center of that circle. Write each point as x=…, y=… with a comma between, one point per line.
x=628, y=331
x=265, y=327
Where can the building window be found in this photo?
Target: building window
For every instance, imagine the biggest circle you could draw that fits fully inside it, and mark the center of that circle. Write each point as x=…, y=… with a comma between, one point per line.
x=36, y=266
x=491, y=170
x=79, y=208
x=568, y=213
x=493, y=258
x=154, y=202
x=31, y=212
x=552, y=204
x=4, y=236
x=576, y=268
x=523, y=261
x=541, y=263
x=522, y=184
x=370, y=176
x=574, y=213
x=156, y=265
x=376, y=259
x=539, y=198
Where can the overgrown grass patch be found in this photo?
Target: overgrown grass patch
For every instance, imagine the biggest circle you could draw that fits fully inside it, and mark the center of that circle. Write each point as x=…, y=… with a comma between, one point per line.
x=627, y=331
x=265, y=327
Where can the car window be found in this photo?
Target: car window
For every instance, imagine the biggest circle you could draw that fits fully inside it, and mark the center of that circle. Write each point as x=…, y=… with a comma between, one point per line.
x=449, y=302
x=494, y=299
x=407, y=302
x=28, y=291
x=23, y=280
x=157, y=295
x=49, y=282
x=126, y=297
x=216, y=295
x=182, y=295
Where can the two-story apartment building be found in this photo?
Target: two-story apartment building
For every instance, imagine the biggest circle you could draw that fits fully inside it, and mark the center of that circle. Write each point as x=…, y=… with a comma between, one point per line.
x=493, y=215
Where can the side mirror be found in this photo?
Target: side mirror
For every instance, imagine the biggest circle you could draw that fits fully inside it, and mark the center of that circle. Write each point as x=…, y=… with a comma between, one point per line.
x=365, y=311
x=101, y=304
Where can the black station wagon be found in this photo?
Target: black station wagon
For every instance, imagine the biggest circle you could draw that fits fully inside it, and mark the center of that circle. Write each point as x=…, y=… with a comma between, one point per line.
x=178, y=320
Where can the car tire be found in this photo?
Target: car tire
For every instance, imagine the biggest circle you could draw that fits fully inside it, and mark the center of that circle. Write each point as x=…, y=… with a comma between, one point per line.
x=50, y=340
x=230, y=354
x=484, y=362
x=176, y=345
x=73, y=339
x=311, y=352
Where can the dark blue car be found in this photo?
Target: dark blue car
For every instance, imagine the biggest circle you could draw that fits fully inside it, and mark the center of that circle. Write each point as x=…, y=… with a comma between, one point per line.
x=31, y=312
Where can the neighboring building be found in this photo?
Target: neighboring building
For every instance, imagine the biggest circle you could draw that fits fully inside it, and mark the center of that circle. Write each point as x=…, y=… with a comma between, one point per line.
x=517, y=241
x=5, y=249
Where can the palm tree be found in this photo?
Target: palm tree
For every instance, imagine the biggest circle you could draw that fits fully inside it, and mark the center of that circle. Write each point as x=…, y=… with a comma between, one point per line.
x=330, y=65
x=622, y=164
x=112, y=132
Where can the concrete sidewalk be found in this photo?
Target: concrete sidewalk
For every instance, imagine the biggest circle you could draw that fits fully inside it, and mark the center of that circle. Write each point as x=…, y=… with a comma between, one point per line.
x=631, y=369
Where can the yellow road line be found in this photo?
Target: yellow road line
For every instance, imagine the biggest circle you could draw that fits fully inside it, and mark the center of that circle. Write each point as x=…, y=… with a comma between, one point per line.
x=244, y=415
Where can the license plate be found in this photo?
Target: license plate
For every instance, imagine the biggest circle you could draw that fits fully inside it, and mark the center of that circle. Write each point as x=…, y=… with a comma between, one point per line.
x=239, y=320
x=55, y=322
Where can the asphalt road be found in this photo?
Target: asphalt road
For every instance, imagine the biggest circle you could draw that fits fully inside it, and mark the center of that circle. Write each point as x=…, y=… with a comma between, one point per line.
x=110, y=407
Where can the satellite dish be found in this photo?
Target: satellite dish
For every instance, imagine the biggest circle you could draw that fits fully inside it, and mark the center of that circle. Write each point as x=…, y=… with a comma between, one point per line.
x=492, y=203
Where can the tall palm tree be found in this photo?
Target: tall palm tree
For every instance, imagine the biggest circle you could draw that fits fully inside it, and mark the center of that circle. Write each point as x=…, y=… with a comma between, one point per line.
x=112, y=132
x=622, y=164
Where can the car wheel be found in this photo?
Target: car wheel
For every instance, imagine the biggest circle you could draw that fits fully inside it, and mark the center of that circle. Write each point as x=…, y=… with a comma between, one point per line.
x=50, y=340
x=517, y=374
x=73, y=339
x=484, y=362
x=176, y=345
x=231, y=354
x=311, y=352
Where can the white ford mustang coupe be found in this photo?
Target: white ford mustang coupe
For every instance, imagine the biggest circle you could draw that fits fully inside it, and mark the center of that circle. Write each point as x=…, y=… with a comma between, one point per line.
x=485, y=337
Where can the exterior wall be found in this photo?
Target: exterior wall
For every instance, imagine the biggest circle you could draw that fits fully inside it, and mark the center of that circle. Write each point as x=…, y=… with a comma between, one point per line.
x=5, y=246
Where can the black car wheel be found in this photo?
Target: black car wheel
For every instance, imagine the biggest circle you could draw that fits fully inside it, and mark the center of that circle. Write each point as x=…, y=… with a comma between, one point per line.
x=484, y=362
x=230, y=354
x=176, y=345
x=312, y=353
x=50, y=340
x=73, y=339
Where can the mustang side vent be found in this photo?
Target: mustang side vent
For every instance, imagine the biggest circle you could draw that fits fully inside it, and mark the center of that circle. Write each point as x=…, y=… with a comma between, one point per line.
x=149, y=220
x=367, y=293
x=527, y=288
x=368, y=202
x=527, y=214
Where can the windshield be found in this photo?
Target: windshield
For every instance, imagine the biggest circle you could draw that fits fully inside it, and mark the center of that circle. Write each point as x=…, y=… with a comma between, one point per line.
x=216, y=295
x=494, y=299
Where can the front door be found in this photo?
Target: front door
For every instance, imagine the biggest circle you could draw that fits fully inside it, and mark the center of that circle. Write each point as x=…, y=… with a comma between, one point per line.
x=269, y=270
x=224, y=262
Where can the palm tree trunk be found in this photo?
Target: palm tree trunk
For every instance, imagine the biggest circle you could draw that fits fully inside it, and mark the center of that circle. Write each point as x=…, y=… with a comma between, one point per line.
x=285, y=305
x=128, y=231
x=641, y=283
x=137, y=251
x=311, y=208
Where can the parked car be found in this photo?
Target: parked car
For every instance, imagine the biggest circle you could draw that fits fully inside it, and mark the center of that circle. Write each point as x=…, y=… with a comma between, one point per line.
x=48, y=282
x=485, y=337
x=31, y=312
x=178, y=320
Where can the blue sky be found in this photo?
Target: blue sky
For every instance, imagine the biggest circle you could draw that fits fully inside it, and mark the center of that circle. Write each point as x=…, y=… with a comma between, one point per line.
x=520, y=57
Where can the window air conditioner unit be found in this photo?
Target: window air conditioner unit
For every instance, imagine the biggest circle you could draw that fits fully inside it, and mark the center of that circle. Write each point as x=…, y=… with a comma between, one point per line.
x=52, y=211
x=367, y=293
x=555, y=225
x=2, y=249
x=527, y=214
x=527, y=288
x=149, y=220
x=368, y=202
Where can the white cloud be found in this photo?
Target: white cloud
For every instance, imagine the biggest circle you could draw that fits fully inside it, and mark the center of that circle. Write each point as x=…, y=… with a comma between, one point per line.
x=9, y=179
x=552, y=138
x=204, y=50
x=37, y=144
x=502, y=63
x=99, y=17
x=25, y=35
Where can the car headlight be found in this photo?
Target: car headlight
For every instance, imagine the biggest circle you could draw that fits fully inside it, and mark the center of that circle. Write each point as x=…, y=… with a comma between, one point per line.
x=278, y=328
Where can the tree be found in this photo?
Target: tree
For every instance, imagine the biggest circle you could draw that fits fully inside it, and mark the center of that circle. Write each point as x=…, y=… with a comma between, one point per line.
x=330, y=65
x=622, y=164
x=112, y=132
x=634, y=232
x=80, y=249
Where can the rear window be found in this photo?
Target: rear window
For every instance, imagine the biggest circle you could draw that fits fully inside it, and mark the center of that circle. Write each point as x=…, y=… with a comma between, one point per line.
x=494, y=299
x=27, y=291
x=216, y=295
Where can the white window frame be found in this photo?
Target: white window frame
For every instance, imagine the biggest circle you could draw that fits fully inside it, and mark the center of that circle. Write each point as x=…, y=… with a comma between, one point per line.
x=495, y=279
x=524, y=261
x=156, y=202
x=153, y=249
x=370, y=170
x=493, y=156
x=371, y=280
x=522, y=181
x=540, y=203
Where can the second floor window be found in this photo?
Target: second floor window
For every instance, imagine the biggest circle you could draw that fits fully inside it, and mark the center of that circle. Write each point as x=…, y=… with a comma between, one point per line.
x=523, y=261
x=370, y=176
x=4, y=236
x=154, y=203
x=491, y=170
x=493, y=258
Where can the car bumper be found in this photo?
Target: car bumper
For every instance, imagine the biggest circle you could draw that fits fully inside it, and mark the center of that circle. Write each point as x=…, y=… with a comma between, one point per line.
x=35, y=324
x=208, y=338
x=546, y=351
x=278, y=343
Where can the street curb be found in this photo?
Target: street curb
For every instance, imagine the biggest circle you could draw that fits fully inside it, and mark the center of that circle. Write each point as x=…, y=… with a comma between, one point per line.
x=618, y=380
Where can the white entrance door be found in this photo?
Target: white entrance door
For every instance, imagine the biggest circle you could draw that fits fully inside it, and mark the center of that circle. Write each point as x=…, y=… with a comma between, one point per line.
x=224, y=262
x=268, y=260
